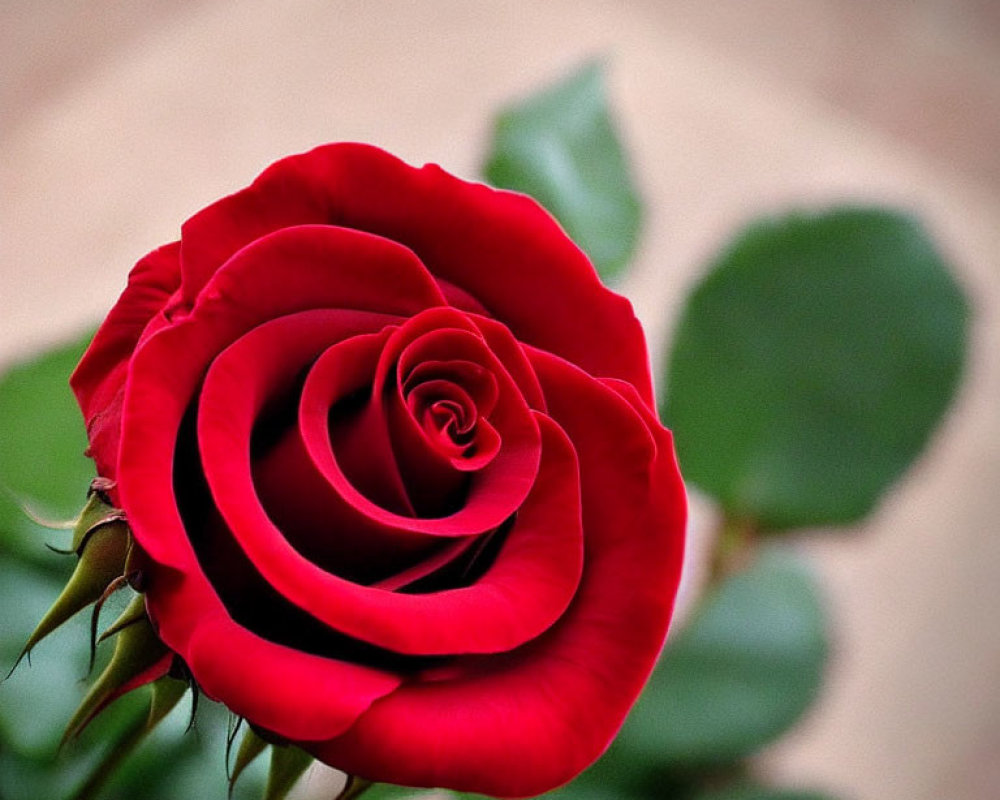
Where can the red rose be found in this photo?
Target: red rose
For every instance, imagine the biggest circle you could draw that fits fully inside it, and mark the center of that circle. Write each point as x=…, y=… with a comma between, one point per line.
x=389, y=451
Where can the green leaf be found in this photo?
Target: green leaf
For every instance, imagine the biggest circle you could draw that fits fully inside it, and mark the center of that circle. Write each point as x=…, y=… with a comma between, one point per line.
x=761, y=793
x=41, y=460
x=166, y=693
x=560, y=147
x=38, y=698
x=811, y=365
x=582, y=789
x=389, y=791
x=739, y=674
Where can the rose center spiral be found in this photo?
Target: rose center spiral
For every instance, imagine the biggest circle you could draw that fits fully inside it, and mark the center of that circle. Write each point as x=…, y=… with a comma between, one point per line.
x=450, y=402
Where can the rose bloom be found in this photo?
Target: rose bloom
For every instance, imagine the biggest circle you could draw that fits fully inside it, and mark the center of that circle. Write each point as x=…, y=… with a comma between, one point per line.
x=388, y=452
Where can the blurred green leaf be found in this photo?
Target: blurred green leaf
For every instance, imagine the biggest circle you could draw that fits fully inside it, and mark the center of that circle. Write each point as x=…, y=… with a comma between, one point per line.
x=37, y=699
x=761, y=793
x=560, y=147
x=175, y=762
x=585, y=788
x=813, y=362
x=389, y=791
x=740, y=673
x=41, y=460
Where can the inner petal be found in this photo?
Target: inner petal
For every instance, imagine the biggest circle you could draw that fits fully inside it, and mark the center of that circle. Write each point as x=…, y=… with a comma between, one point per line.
x=524, y=585
x=446, y=485
x=447, y=400
x=477, y=383
x=250, y=395
x=327, y=520
x=445, y=411
x=248, y=387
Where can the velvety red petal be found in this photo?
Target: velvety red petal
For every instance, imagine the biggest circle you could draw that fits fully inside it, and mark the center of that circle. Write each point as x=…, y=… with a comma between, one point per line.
x=294, y=694
x=99, y=379
x=328, y=523
x=444, y=342
x=500, y=248
x=320, y=267
x=262, y=368
x=510, y=353
x=444, y=557
x=313, y=266
x=461, y=299
x=297, y=695
x=287, y=691
x=552, y=706
x=279, y=198
x=521, y=594
x=495, y=492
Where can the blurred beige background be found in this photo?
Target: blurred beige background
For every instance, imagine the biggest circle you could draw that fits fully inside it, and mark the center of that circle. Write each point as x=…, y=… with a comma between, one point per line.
x=119, y=119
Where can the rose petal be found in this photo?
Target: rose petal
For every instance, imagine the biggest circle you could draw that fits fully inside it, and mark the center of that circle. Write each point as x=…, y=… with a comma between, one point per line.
x=229, y=662
x=328, y=523
x=524, y=591
x=498, y=247
x=261, y=369
x=557, y=701
x=476, y=385
x=99, y=379
x=510, y=353
x=294, y=694
x=321, y=267
x=509, y=432
x=495, y=492
x=461, y=299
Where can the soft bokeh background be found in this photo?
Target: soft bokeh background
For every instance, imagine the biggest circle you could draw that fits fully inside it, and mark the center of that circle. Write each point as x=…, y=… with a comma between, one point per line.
x=118, y=120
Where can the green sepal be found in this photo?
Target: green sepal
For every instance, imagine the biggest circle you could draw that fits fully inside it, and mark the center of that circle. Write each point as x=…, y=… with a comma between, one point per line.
x=139, y=658
x=167, y=693
x=96, y=512
x=288, y=762
x=103, y=548
x=134, y=612
x=251, y=746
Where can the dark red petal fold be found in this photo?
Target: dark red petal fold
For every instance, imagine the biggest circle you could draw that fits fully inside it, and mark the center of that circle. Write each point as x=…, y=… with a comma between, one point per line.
x=297, y=695
x=321, y=267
